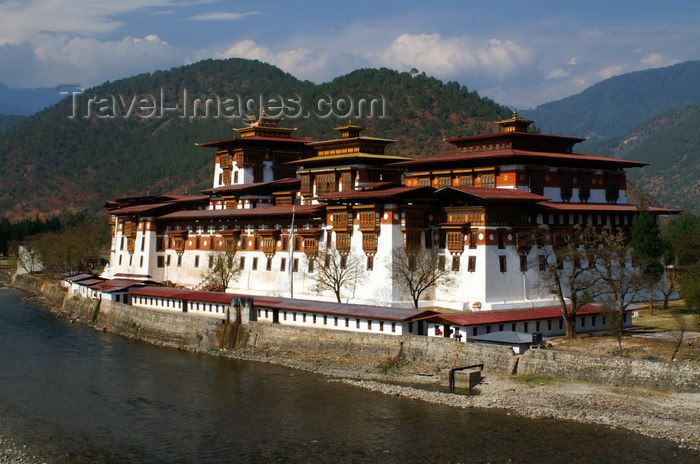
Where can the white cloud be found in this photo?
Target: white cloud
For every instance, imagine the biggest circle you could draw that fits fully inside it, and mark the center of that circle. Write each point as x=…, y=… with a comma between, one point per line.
x=557, y=73
x=85, y=61
x=222, y=16
x=657, y=60
x=302, y=62
x=449, y=56
x=612, y=70
x=23, y=20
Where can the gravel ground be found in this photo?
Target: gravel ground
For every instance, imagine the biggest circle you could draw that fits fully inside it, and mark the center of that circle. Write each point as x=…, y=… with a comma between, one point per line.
x=12, y=453
x=670, y=416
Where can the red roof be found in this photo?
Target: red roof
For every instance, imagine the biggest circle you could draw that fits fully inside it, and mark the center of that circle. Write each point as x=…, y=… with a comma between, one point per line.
x=182, y=294
x=573, y=140
x=262, y=211
x=253, y=138
x=518, y=315
x=512, y=156
x=340, y=309
x=604, y=207
x=284, y=183
x=287, y=304
x=509, y=194
x=116, y=285
x=386, y=193
x=132, y=276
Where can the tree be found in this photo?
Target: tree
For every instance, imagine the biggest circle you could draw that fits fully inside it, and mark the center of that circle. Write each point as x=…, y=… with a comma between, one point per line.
x=565, y=268
x=647, y=250
x=417, y=272
x=619, y=282
x=222, y=270
x=337, y=272
x=29, y=259
x=74, y=248
x=682, y=249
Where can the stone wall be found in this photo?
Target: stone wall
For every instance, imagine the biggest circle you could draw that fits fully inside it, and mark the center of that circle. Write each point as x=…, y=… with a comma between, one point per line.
x=182, y=330
x=677, y=376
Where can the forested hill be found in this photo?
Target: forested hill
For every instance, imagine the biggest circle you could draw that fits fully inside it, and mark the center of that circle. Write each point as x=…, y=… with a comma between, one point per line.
x=613, y=107
x=670, y=142
x=50, y=162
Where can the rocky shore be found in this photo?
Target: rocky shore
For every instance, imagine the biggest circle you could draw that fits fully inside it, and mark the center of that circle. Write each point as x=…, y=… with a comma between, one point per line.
x=670, y=416
x=12, y=453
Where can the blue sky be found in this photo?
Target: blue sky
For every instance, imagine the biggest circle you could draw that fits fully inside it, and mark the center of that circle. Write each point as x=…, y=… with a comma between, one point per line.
x=520, y=53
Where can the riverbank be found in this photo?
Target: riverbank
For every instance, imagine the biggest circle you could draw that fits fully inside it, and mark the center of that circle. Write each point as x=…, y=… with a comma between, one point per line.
x=666, y=415
x=672, y=416
x=12, y=453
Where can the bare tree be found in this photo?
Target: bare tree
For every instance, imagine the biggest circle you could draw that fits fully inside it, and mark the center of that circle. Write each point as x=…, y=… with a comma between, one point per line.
x=565, y=269
x=418, y=272
x=222, y=270
x=73, y=249
x=619, y=281
x=337, y=272
x=678, y=336
x=29, y=258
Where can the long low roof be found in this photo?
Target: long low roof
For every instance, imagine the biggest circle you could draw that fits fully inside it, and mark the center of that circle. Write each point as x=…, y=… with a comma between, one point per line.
x=603, y=207
x=515, y=156
x=487, y=193
x=287, y=304
x=512, y=316
x=262, y=211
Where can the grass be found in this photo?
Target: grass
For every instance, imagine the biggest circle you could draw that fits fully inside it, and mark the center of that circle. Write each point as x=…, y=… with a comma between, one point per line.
x=663, y=319
x=535, y=379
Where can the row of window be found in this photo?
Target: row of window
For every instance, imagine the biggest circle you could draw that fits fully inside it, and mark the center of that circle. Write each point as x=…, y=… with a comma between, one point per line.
x=583, y=322
x=314, y=319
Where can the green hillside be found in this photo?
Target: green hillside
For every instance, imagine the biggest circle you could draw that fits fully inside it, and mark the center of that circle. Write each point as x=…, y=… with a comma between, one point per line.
x=51, y=162
x=9, y=121
x=615, y=106
x=670, y=143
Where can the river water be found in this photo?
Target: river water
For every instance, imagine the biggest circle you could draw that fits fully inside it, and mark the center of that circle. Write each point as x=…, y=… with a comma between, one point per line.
x=73, y=394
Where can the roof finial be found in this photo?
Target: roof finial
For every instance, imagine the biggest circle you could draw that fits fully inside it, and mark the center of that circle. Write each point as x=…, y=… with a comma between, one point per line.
x=515, y=112
x=349, y=122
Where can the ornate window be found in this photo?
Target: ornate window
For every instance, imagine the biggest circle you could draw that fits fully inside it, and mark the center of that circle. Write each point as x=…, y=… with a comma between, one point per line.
x=455, y=241
x=342, y=242
x=566, y=181
x=466, y=181
x=488, y=180
x=584, y=187
x=612, y=188
x=444, y=182
x=326, y=183
x=537, y=183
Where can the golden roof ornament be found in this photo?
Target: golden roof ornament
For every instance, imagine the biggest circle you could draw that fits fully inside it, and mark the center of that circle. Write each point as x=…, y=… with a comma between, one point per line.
x=514, y=123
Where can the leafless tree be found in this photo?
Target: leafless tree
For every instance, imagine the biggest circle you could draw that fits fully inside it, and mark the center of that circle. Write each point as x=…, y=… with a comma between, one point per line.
x=222, y=270
x=417, y=272
x=73, y=249
x=29, y=258
x=565, y=268
x=678, y=336
x=337, y=272
x=619, y=281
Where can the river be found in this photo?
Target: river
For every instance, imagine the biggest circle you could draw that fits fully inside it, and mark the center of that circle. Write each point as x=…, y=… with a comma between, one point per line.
x=73, y=394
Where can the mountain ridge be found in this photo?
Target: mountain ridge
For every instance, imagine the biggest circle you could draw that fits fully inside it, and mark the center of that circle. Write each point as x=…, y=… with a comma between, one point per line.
x=51, y=162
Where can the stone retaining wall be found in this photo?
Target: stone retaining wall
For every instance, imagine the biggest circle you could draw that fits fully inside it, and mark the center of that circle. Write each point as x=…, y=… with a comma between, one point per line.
x=182, y=330
x=676, y=376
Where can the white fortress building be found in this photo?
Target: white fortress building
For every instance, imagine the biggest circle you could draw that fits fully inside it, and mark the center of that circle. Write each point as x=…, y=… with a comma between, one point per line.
x=278, y=203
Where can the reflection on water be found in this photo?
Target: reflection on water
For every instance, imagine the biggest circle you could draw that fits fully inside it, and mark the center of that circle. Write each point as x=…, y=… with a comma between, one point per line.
x=77, y=395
